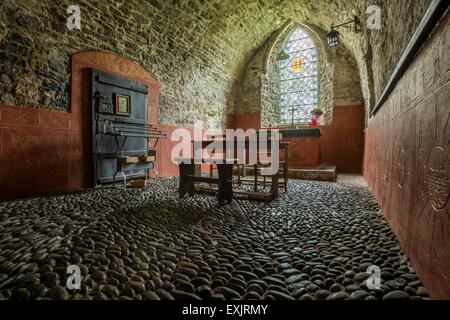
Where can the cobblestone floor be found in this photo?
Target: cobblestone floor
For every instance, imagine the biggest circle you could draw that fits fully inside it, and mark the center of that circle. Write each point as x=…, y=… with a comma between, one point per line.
x=315, y=242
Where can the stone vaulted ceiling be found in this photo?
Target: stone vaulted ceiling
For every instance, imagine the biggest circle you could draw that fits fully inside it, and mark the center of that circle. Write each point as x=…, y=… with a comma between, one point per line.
x=195, y=49
x=246, y=24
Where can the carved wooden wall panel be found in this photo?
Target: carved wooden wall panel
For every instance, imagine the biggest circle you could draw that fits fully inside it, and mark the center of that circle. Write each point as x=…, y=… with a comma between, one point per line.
x=407, y=162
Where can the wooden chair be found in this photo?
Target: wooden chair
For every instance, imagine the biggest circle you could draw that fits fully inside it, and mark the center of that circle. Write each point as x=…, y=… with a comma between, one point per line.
x=282, y=172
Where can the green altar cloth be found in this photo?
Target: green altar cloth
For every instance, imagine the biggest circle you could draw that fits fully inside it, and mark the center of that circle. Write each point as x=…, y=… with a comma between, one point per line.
x=305, y=132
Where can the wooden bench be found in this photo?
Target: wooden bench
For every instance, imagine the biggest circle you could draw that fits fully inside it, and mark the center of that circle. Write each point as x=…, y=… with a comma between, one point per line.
x=190, y=172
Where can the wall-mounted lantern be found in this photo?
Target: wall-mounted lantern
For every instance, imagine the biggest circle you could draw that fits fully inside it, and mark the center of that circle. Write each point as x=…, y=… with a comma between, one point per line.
x=333, y=35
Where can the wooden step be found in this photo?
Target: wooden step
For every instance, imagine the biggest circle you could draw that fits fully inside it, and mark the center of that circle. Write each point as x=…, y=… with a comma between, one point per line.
x=129, y=159
x=138, y=183
x=147, y=158
x=202, y=179
x=321, y=173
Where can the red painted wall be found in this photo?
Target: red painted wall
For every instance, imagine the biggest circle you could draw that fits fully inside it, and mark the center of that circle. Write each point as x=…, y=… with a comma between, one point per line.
x=45, y=151
x=244, y=121
x=342, y=143
x=303, y=151
x=39, y=149
x=164, y=164
x=407, y=162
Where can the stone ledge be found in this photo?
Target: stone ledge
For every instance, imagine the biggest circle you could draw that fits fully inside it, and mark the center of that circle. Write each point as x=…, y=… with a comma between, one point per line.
x=321, y=173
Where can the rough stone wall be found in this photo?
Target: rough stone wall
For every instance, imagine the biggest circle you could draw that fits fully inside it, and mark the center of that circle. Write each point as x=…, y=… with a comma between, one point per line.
x=326, y=76
x=339, y=83
x=248, y=88
x=270, y=92
x=346, y=82
x=378, y=51
x=195, y=49
x=270, y=86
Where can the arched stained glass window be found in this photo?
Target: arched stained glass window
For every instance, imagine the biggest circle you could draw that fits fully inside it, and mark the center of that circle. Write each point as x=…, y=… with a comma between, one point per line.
x=299, y=79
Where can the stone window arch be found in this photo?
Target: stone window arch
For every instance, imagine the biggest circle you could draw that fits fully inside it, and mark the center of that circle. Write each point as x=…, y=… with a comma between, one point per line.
x=299, y=78
x=270, y=81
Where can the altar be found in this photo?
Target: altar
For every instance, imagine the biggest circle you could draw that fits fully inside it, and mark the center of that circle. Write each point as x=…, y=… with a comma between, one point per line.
x=304, y=146
x=190, y=168
x=301, y=132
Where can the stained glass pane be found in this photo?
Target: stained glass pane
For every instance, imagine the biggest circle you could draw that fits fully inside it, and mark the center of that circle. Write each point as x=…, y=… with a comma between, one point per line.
x=299, y=79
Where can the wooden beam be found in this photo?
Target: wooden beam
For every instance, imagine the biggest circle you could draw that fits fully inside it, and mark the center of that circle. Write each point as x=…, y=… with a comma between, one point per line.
x=129, y=159
x=202, y=179
x=138, y=183
x=147, y=158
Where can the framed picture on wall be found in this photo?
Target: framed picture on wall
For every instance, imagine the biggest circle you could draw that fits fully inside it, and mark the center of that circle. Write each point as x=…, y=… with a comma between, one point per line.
x=123, y=104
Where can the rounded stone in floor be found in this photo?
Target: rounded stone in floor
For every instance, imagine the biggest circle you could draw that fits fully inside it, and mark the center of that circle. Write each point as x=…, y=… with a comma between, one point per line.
x=396, y=295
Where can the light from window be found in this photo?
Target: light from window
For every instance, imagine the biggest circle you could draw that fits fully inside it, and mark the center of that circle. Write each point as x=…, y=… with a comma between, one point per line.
x=299, y=79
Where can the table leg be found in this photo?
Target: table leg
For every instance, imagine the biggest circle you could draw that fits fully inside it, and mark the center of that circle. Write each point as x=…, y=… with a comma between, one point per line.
x=239, y=173
x=225, y=185
x=256, y=177
x=186, y=185
x=124, y=180
x=274, y=185
x=286, y=159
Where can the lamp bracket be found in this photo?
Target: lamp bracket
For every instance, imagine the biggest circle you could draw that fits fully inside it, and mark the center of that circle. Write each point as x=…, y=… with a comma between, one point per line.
x=356, y=21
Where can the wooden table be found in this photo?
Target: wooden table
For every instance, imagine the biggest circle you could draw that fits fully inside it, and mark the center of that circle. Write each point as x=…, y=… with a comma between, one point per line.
x=190, y=173
x=267, y=196
x=282, y=146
